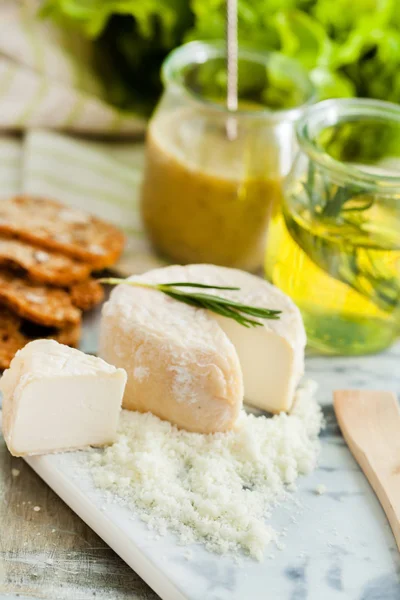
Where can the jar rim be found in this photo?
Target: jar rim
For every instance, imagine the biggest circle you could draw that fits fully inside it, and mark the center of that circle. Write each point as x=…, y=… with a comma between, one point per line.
x=199, y=52
x=329, y=113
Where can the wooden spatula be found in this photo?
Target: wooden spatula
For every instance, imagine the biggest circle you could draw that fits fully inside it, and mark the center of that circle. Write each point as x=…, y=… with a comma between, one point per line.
x=370, y=424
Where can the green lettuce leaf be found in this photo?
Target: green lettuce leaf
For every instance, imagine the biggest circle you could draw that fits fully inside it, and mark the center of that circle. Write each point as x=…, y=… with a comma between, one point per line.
x=131, y=38
x=350, y=47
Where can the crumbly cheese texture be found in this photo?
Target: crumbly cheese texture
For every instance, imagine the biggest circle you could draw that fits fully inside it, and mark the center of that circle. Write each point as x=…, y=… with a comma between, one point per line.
x=56, y=398
x=191, y=366
x=218, y=488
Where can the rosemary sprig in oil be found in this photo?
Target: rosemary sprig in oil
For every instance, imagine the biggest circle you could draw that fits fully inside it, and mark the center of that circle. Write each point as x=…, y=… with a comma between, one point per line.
x=216, y=304
x=333, y=200
x=340, y=243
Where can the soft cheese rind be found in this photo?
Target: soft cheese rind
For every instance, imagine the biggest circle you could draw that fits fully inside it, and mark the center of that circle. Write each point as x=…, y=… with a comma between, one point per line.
x=180, y=364
x=57, y=398
x=183, y=363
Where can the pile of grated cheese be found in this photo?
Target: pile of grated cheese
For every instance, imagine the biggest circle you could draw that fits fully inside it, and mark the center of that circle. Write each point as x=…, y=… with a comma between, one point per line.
x=215, y=488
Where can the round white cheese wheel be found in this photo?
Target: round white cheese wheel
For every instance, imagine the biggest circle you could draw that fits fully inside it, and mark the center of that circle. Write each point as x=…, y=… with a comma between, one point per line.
x=191, y=366
x=180, y=364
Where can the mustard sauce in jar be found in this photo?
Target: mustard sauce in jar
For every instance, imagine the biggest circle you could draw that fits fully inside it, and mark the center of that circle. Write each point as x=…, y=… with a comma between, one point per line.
x=207, y=198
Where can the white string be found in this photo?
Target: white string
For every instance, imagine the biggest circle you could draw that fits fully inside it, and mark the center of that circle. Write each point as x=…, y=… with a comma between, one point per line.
x=231, y=66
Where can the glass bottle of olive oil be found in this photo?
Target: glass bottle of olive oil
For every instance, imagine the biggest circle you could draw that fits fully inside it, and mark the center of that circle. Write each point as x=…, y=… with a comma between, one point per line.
x=335, y=245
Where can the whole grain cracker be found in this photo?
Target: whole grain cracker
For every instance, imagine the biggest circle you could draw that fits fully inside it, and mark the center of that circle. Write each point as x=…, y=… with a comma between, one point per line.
x=86, y=294
x=15, y=333
x=52, y=225
x=44, y=305
x=44, y=266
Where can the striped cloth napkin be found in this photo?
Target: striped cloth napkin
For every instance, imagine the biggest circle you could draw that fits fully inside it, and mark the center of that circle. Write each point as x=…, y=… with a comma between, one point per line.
x=101, y=178
x=10, y=166
x=46, y=79
x=47, y=84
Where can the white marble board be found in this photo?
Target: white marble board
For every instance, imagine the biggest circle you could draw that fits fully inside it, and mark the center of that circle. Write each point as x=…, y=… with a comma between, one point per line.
x=338, y=546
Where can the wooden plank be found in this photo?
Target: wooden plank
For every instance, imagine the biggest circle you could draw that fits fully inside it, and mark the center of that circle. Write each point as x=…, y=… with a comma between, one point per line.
x=51, y=553
x=370, y=424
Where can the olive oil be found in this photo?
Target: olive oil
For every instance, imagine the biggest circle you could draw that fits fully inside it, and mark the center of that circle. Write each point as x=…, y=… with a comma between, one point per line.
x=341, y=268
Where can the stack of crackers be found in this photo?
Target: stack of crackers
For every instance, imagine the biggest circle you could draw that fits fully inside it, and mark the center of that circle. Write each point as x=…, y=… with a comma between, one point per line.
x=48, y=253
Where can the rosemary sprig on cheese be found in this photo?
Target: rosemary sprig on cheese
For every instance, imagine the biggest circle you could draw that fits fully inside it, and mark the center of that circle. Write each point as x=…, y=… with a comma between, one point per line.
x=217, y=304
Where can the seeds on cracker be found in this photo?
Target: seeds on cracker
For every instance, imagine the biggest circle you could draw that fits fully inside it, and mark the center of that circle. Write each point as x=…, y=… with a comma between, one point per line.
x=73, y=216
x=40, y=256
x=15, y=332
x=51, y=225
x=44, y=266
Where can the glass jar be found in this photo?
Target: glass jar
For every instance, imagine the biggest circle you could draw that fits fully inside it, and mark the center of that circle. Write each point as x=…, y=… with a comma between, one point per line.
x=205, y=197
x=335, y=245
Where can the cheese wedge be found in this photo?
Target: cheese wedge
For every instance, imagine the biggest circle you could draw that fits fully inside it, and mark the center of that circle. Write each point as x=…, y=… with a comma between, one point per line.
x=189, y=365
x=56, y=398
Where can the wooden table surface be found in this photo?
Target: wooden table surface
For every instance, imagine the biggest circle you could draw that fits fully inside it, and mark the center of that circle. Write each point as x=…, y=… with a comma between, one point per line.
x=50, y=553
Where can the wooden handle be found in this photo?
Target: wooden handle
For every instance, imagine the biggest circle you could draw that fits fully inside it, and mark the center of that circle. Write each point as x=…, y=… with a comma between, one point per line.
x=370, y=424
